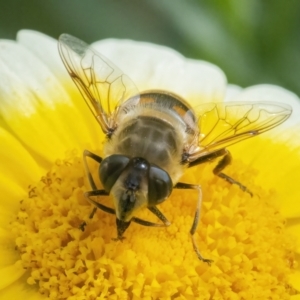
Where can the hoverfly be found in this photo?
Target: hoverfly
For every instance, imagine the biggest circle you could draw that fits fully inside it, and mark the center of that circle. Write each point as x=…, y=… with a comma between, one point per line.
x=153, y=136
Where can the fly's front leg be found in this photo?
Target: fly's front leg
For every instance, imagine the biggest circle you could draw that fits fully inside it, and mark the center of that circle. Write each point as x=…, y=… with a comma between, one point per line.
x=122, y=225
x=156, y=212
x=222, y=164
x=193, y=229
x=103, y=207
x=98, y=159
x=160, y=215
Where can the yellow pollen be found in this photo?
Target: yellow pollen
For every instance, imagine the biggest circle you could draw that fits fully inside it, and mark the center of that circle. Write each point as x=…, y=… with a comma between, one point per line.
x=244, y=235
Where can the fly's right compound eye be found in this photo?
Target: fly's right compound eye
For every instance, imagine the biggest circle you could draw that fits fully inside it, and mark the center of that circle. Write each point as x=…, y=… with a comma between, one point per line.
x=160, y=185
x=110, y=170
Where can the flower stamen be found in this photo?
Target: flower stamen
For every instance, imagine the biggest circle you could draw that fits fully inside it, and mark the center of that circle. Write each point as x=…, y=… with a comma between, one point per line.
x=244, y=235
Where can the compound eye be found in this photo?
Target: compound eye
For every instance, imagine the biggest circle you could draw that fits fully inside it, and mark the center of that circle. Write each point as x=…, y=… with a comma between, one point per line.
x=160, y=185
x=110, y=170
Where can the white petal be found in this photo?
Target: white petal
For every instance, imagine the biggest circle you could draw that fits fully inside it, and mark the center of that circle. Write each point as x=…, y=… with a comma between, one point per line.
x=25, y=80
x=45, y=48
x=232, y=91
x=158, y=67
x=30, y=91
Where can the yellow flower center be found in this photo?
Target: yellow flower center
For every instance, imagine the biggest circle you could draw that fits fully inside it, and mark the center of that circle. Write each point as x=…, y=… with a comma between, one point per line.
x=244, y=236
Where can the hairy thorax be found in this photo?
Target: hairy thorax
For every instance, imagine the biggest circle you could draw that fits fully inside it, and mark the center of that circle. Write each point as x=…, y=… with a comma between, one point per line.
x=152, y=138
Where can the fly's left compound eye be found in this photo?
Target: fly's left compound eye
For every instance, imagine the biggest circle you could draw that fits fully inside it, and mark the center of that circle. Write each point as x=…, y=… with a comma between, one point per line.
x=160, y=185
x=110, y=170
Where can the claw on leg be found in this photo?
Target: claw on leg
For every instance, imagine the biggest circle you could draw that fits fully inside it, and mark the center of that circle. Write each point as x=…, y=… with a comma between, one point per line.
x=206, y=260
x=82, y=226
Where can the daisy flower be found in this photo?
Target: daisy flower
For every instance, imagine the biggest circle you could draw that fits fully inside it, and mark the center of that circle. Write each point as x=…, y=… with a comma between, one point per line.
x=45, y=126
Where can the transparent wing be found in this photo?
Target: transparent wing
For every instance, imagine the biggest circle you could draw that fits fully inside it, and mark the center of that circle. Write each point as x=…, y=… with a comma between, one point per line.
x=103, y=86
x=224, y=124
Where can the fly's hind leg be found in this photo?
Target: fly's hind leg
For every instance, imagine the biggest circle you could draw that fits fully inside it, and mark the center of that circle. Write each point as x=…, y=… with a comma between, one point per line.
x=98, y=159
x=193, y=229
x=222, y=164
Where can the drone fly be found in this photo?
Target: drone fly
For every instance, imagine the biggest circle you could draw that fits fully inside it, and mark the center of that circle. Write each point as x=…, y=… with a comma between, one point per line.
x=154, y=136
